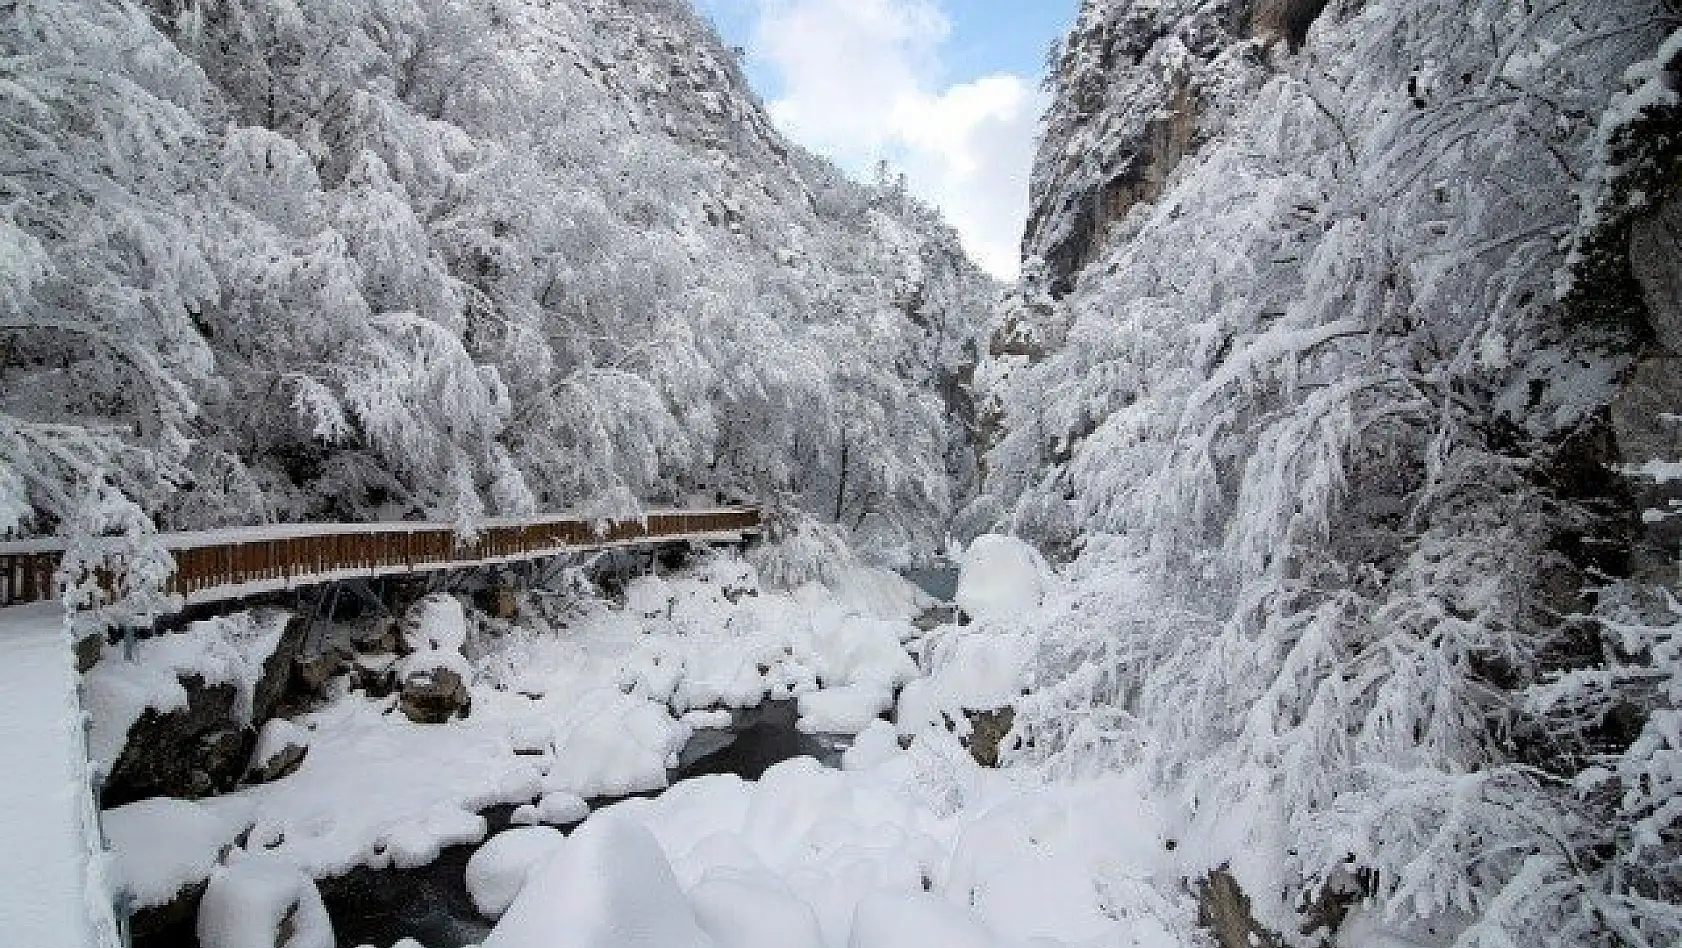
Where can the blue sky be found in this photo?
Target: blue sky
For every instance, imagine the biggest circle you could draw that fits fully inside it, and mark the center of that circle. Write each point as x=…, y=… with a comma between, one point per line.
x=946, y=91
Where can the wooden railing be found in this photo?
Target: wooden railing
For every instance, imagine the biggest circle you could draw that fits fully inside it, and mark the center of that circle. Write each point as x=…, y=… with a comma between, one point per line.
x=218, y=564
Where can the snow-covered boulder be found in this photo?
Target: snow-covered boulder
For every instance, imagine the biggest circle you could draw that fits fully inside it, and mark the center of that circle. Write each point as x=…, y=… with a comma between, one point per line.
x=432, y=678
x=433, y=686
x=742, y=911
x=163, y=850
x=894, y=919
x=497, y=870
x=263, y=902
x=615, y=745
x=435, y=623
x=608, y=885
x=1000, y=576
x=176, y=719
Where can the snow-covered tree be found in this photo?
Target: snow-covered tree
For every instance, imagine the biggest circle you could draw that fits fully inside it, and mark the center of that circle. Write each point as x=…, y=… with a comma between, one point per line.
x=1297, y=396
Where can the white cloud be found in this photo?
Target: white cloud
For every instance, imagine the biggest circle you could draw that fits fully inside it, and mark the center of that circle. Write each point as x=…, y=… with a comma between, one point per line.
x=862, y=81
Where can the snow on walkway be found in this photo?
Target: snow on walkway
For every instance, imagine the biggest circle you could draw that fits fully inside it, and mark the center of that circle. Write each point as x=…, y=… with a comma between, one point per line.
x=52, y=890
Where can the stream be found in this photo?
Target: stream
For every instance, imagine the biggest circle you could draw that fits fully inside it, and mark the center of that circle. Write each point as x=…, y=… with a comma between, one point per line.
x=430, y=903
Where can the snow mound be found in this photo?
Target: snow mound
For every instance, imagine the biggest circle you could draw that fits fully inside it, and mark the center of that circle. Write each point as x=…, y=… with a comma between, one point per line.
x=889, y=919
x=616, y=745
x=436, y=623
x=248, y=904
x=741, y=910
x=1000, y=577
x=607, y=886
x=498, y=869
x=908, y=847
x=847, y=709
x=162, y=845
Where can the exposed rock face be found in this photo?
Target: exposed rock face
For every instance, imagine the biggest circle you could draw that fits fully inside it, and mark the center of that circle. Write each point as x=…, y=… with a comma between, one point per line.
x=281, y=763
x=281, y=748
x=173, y=917
x=1138, y=87
x=191, y=751
x=1224, y=909
x=202, y=746
x=271, y=689
x=987, y=731
x=503, y=602
x=1286, y=20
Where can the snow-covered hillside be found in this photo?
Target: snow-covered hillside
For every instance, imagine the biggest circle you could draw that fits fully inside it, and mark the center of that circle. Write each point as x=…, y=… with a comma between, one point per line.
x=1344, y=381
x=281, y=260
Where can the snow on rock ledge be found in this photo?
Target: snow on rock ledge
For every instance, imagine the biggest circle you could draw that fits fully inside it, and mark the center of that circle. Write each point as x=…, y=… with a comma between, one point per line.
x=163, y=846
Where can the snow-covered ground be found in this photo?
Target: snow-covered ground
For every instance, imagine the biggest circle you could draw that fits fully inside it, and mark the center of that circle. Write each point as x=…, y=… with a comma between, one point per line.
x=912, y=848
x=52, y=885
x=910, y=843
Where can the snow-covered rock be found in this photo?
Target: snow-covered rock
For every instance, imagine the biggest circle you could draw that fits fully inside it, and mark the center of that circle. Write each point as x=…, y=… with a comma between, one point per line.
x=753, y=911
x=897, y=919
x=497, y=870
x=177, y=718
x=436, y=622
x=163, y=846
x=608, y=885
x=432, y=686
x=263, y=902
x=281, y=747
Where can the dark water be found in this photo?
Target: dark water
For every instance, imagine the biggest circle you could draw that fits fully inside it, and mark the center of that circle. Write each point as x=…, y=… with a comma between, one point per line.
x=430, y=904
x=764, y=735
x=941, y=581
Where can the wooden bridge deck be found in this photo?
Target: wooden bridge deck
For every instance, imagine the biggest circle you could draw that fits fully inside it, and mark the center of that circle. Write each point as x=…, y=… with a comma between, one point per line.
x=224, y=564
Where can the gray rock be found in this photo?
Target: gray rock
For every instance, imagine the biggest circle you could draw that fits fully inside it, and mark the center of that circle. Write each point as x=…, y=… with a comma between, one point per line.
x=988, y=730
x=312, y=674
x=190, y=751
x=433, y=696
x=280, y=762
x=271, y=690
x=382, y=635
x=1224, y=909
x=375, y=675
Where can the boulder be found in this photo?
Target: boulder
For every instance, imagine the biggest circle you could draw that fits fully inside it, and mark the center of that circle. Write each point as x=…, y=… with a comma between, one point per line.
x=1224, y=909
x=190, y=751
x=502, y=602
x=433, y=687
x=382, y=635
x=375, y=674
x=312, y=673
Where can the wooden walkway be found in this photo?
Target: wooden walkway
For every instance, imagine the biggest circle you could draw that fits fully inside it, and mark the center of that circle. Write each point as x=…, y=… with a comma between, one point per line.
x=225, y=564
